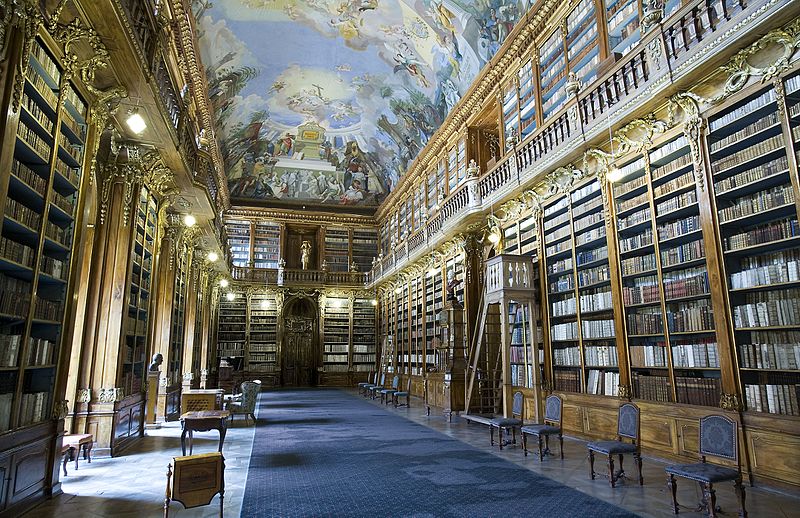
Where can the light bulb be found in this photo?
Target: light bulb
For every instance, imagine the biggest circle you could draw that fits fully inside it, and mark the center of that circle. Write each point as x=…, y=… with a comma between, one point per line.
x=432, y=272
x=189, y=220
x=212, y=257
x=223, y=283
x=265, y=303
x=374, y=302
x=230, y=296
x=135, y=121
x=614, y=174
x=398, y=290
x=494, y=236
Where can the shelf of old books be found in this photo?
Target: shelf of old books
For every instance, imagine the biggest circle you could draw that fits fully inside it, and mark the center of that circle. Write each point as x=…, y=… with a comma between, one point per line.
x=583, y=50
x=521, y=346
x=336, y=334
x=365, y=248
x=337, y=249
x=622, y=19
x=178, y=331
x=232, y=325
x=528, y=237
x=754, y=190
x=262, y=333
x=134, y=339
x=671, y=332
x=238, y=232
x=402, y=334
x=266, y=244
x=37, y=238
x=552, y=74
x=363, y=343
x=526, y=99
x=389, y=328
x=417, y=322
x=510, y=239
x=510, y=111
x=434, y=302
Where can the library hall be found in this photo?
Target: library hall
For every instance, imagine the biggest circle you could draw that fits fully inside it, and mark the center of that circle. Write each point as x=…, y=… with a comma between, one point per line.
x=408, y=258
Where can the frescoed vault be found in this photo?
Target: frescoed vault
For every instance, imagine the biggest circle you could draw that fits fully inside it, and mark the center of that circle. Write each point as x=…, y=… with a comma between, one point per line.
x=328, y=101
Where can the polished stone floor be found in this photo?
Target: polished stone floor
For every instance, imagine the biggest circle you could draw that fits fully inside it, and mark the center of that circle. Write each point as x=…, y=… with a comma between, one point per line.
x=133, y=485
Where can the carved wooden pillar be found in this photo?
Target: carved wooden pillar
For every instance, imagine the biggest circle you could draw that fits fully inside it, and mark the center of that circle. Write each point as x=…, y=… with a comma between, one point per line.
x=162, y=312
x=98, y=391
x=189, y=375
x=209, y=305
x=473, y=284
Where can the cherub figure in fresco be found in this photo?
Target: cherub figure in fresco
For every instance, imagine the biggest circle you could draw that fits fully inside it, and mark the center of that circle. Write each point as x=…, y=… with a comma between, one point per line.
x=406, y=60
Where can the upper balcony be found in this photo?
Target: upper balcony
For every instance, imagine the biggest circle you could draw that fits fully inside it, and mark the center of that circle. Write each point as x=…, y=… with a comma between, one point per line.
x=669, y=55
x=292, y=278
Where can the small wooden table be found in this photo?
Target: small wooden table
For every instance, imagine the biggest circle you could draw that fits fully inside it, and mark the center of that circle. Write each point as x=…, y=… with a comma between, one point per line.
x=80, y=441
x=203, y=421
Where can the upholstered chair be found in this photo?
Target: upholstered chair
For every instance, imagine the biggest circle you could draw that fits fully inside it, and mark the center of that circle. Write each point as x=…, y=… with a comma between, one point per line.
x=508, y=423
x=403, y=394
x=386, y=394
x=247, y=404
x=551, y=426
x=627, y=428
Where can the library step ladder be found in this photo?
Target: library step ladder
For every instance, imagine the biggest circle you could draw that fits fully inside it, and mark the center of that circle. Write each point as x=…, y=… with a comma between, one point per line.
x=508, y=306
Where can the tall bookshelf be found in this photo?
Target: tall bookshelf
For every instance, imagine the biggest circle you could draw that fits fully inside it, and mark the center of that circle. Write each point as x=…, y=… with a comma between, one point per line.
x=417, y=322
x=402, y=333
x=580, y=311
x=337, y=249
x=527, y=99
x=363, y=342
x=232, y=326
x=511, y=123
x=239, y=241
x=583, y=49
x=434, y=302
x=522, y=358
x=178, y=321
x=755, y=194
x=552, y=74
x=671, y=332
x=364, y=248
x=622, y=20
x=134, y=340
x=37, y=239
x=262, y=335
x=336, y=334
x=266, y=244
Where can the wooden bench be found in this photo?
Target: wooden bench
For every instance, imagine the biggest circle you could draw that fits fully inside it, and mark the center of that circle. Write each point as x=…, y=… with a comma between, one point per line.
x=65, y=453
x=77, y=441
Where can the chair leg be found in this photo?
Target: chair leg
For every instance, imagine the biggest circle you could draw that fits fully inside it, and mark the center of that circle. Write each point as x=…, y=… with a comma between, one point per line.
x=491, y=435
x=561, y=445
x=524, y=444
x=620, y=470
x=500, y=436
x=611, y=471
x=673, y=488
x=637, y=457
x=541, y=453
x=513, y=435
x=591, y=464
x=711, y=497
x=739, y=488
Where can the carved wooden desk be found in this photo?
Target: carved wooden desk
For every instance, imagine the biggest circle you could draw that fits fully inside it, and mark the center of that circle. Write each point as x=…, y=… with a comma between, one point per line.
x=203, y=421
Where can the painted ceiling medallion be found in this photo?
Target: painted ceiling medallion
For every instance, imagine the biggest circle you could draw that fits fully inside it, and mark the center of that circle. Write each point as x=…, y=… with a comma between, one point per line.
x=329, y=101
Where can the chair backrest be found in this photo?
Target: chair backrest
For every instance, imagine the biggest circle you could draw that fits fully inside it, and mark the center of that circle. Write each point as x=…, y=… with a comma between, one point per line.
x=250, y=392
x=396, y=383
x=628, y=421
x=408, y=384
x=383, y=379
x=552, y=409
x=718, y=437
x=516, y=407
x=373, y=377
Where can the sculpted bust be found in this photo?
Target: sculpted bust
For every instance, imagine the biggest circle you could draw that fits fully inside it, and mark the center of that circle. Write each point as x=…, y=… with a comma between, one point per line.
x=155, y=365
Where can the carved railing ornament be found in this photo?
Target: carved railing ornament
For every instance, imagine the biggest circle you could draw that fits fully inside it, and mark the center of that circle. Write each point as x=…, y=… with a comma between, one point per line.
x=28, y=15
x=624, y=392
x=60, y=409
x=730, y=402
x=84, y=395
x=110, y=395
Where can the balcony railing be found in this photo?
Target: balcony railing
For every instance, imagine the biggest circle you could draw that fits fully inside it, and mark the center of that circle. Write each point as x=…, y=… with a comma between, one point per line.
x=292, y=277
x=661, y=52
x=509, y=272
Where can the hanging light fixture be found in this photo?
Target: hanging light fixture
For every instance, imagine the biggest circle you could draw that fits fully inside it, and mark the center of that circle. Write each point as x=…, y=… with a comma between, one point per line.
x=212, y=257
x=230, y=296
x=223, y=283
x=135, y=121
x=189, y=220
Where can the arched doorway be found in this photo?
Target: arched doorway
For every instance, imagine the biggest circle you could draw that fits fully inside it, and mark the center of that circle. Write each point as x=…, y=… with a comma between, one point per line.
x=300, y=342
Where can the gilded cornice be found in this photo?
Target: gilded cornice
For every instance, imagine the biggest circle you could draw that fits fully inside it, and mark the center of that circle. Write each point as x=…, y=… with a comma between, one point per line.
x=199, y=88
x=292, y=216
x=516, y=44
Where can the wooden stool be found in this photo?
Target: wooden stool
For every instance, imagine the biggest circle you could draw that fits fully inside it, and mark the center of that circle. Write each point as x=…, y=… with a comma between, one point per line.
x=76, y=441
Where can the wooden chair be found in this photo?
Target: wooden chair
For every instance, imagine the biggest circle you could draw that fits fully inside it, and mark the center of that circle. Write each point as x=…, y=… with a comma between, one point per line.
x=78, y=442
x=627, y=428
x=372, y=390
x=508, y=423
x=403, y=393
x=247, y=404
x=386, y=394
x=370, y=381
x=718, y=438
x=551, y=426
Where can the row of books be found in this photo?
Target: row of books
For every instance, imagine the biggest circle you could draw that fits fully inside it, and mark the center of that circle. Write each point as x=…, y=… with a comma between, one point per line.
x=602, y=383
x=591, y=219
x=683, y=253
x=766, y=352
x=10, y=346
x=568, y=331
x=37, y=113
x=30, y=137
x=624, y=188
x=29, y=177
x=774, y=231
x=16, y=252
x=15, y=296
x=673, y=185
x=591, y=276
x=34, y=407
x=72, y=174
x=601, y=356
x=589, y=236
x=517, y=353
x=335, y=358
x=59, y=269
x=757, y=202
x=785, y=268
x=41, y=351
x=771, y=308
x=686, y=283
x=560, y=233
x=72, y=97
x=522, y=375
x=649, y=322
x=773, y=167
x=645, y=290
x=562, y=284
x=567, y=356
x=365, y=358
x=638, y=241
x=678, y=228
x=652, y=388
x=762, y=100
x=698, y=391
x=262, y=357
x=634, y=219
x=6, y=400
x=22, y=214
x=693, y=316
x=771, y=119
x=336, y=348
x=678, y=202
x=638, y=264
x=597, y=328
x=564, y=307
x=773, y=398
x=759, y=148
x=596, y=301
x=654, y=355
x=41, y=86
x=567, y=380
x=624, y=205
x=58, y=234
x=694, y=353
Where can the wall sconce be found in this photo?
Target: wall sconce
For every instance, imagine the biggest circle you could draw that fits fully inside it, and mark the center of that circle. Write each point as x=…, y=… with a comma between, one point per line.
x=212, y=257
x=135, y=121
x=189, y=220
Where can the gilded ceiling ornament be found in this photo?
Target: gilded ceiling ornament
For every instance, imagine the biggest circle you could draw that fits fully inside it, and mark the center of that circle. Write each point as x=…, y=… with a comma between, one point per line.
x=693, y=125
x=29, y=16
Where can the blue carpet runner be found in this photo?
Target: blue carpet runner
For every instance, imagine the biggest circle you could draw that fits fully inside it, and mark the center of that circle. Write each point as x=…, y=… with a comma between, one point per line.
x=329, y=453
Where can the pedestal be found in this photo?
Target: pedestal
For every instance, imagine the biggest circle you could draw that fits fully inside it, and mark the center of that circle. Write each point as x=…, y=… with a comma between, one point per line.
x=151, y=413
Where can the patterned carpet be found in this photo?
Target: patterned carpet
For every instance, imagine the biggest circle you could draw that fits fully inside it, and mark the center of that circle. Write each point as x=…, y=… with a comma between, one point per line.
x=329, y=453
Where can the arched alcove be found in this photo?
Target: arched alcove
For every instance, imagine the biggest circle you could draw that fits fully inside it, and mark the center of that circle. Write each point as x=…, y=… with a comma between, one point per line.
x=300, y=344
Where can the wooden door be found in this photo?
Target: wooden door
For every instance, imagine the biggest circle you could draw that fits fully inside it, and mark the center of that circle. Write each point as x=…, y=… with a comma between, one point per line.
x=300, y=356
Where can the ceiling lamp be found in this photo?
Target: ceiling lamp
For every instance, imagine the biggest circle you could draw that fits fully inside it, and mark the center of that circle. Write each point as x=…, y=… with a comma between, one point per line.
x=223, y=283
x=135, y=121
x=494, y=236
x=212, y=257
x=230, y=296
x=374, y=302
x=614, y=174
x=189, y=220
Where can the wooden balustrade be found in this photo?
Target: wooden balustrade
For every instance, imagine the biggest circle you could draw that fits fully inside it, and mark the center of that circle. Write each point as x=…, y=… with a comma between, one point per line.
x=509, y=272
x=294, y=277
x=416, y=241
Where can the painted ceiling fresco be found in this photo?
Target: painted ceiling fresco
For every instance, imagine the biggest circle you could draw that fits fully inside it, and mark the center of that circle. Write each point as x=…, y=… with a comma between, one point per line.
x=329, y=101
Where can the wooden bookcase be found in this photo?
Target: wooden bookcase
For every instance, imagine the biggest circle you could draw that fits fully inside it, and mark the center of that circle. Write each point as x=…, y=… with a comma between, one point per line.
x=336, y=334
x=363, y=339
x=239, y=241
x=266, y=244
x=337, y=249
x=232, y=326
x=262, y=334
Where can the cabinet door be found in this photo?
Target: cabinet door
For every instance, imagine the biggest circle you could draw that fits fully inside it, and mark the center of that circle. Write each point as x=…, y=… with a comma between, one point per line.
x=28, y=472
x=5, y=464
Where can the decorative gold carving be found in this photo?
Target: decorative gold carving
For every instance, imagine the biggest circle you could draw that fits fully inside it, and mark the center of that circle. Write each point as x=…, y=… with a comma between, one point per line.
x=28, y=15
x=624, y=392
x=84, y=395
x=60, y=409
x=730, y=402
x=110, y=395
x=693, y=125
x=653, y=12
